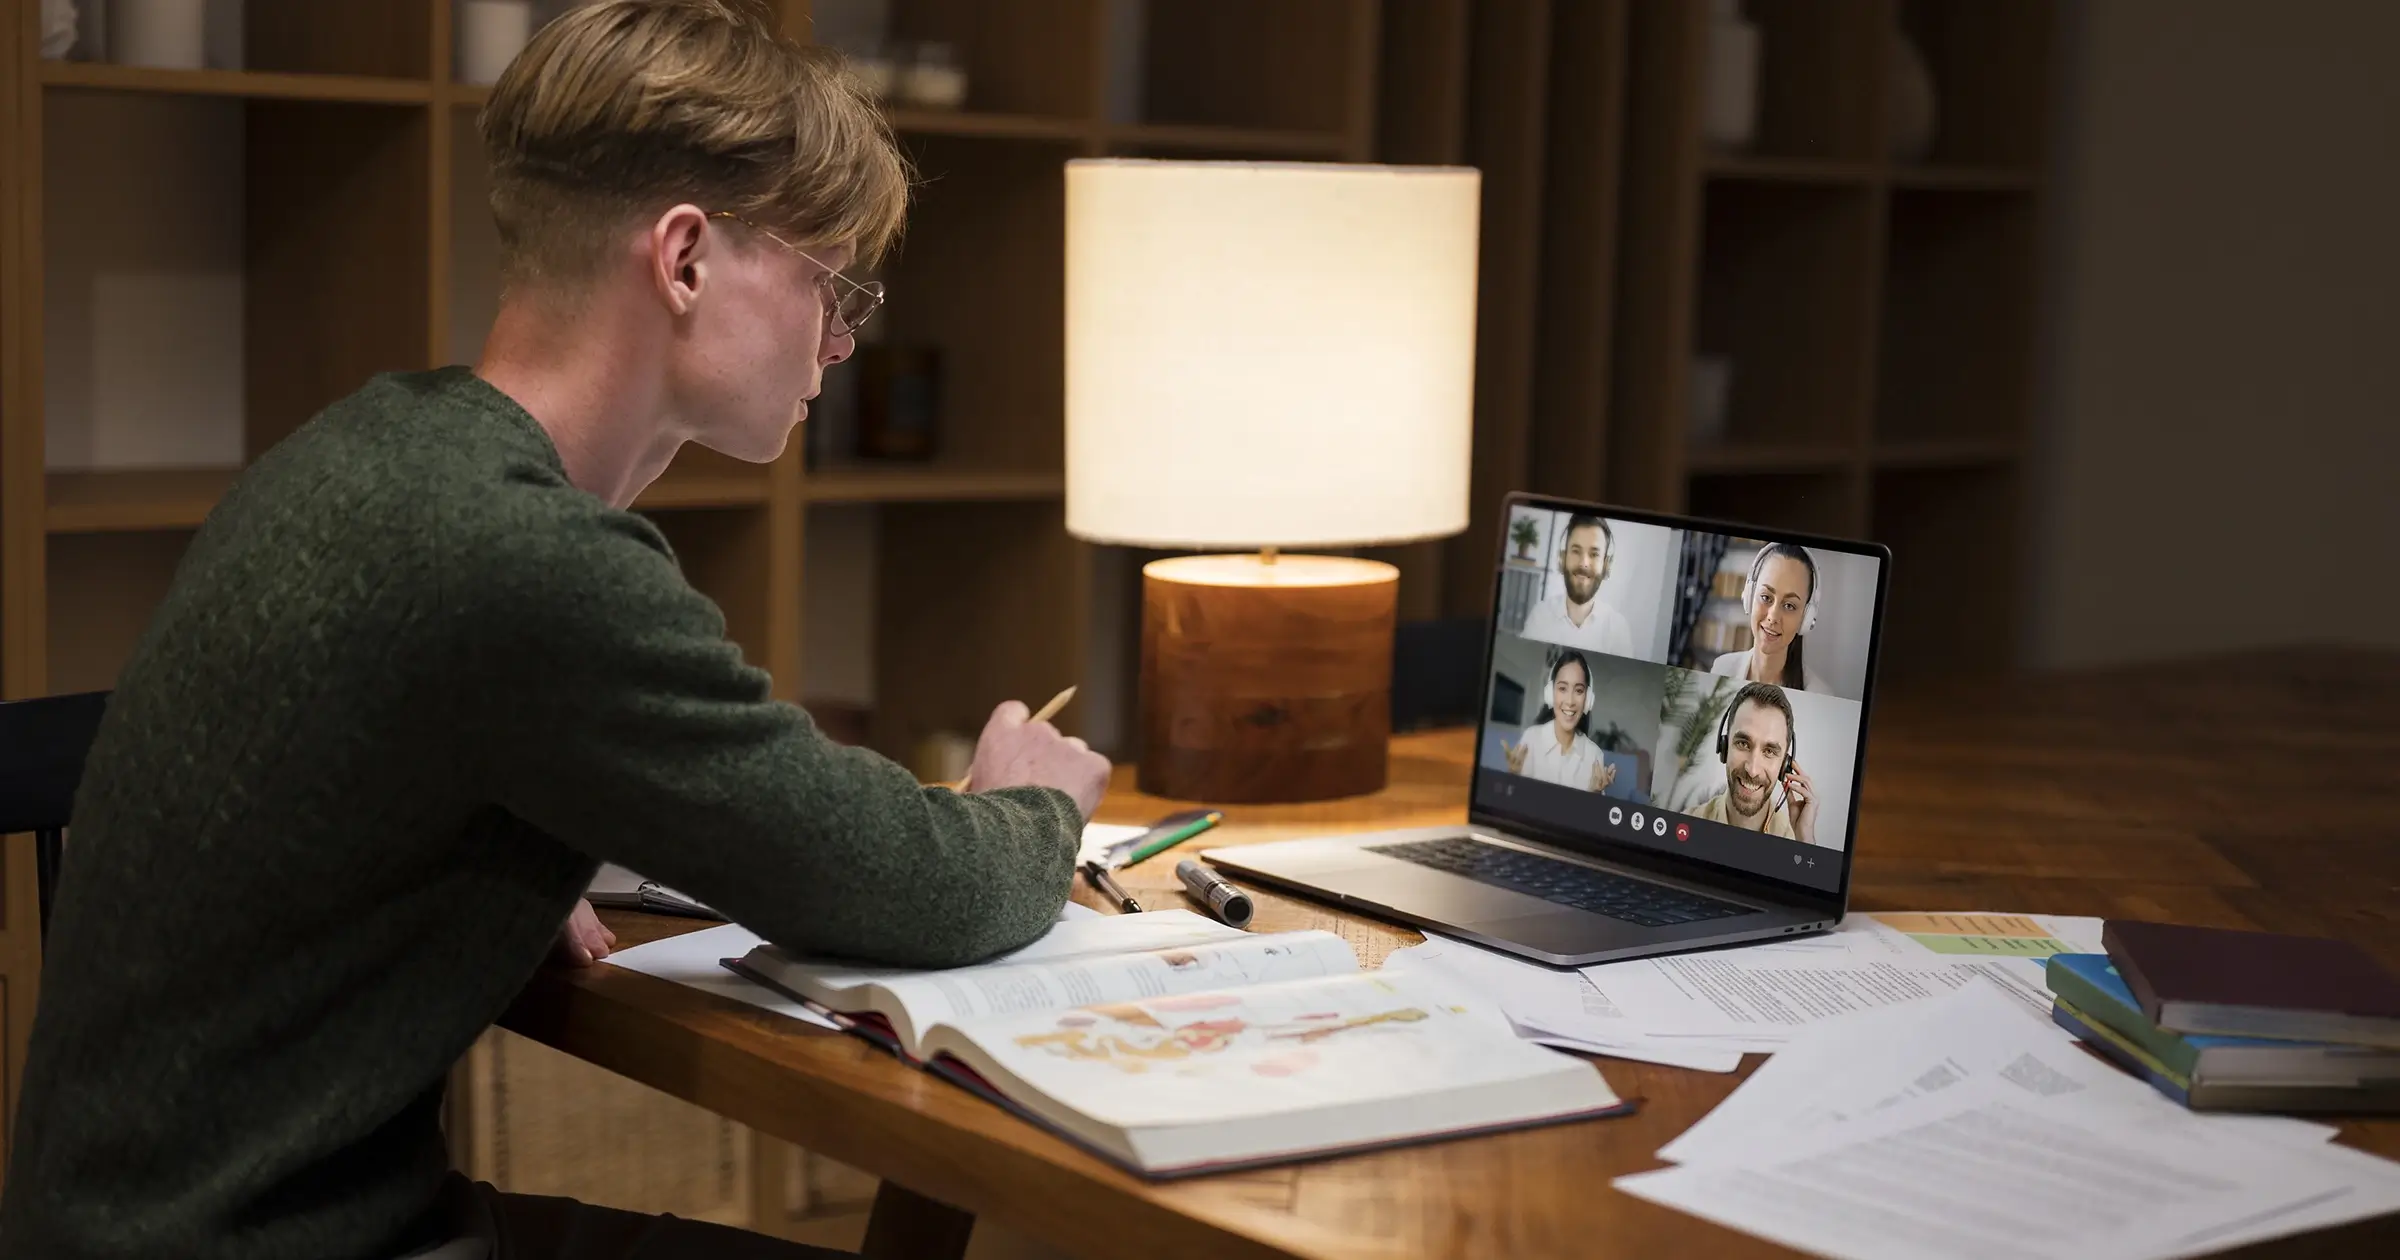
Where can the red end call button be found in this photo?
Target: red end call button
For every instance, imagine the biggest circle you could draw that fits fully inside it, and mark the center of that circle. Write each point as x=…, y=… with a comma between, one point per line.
x=1683, y=832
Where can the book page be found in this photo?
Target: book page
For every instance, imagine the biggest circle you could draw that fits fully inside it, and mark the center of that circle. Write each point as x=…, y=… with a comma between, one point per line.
x=938, y=997
x=1209, y=1057
x=841, y=985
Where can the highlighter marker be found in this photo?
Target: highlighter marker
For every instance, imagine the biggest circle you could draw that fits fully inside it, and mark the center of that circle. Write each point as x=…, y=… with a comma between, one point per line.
x=1210, y=889
x=1153, y=847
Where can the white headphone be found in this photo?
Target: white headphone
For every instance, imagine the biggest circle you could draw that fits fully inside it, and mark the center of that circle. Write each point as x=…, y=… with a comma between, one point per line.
x=1808, y=619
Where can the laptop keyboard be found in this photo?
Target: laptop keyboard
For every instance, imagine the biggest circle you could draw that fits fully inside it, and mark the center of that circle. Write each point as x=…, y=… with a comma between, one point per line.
x=1566, y=883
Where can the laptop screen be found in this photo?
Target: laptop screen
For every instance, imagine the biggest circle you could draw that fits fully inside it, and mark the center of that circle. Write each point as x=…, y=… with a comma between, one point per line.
x=1688, y=691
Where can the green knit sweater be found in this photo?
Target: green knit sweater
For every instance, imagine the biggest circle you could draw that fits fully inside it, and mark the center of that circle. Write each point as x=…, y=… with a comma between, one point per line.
x=408, y=689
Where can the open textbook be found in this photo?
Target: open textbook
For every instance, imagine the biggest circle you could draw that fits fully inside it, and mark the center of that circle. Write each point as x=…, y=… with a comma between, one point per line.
x=1173, y=1044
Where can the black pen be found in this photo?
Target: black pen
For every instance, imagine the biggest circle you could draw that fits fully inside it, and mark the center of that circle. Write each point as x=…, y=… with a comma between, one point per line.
x=1107, y=886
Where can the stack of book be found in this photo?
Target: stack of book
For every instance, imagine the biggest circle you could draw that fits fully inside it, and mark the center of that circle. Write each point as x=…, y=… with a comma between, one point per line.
x=2237, y=1021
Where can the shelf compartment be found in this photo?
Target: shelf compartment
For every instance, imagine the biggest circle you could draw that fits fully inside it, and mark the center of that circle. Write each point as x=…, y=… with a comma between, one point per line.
x=981, y=276
x=1023, y=57
x=296, y=49
x=1813, y=502
x=947, y=122
x=1956, y=353
x=122, y=500
x=1813, y=99
x=1953, y=533
x=1789, y=170
x=1786, y=291
x=1028, y=582
x=103, y=591
x=1258, y=64
x=1966, y=178
x=253, y=84
x=1769, y=457
x=1195, y=140
x=1990, y=63
x=702, y=478
x=929, y=483
x=1966, y=452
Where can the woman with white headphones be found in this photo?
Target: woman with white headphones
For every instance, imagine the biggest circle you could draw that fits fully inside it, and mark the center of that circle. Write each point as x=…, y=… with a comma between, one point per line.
x=1558, y=747
x=1780, y=599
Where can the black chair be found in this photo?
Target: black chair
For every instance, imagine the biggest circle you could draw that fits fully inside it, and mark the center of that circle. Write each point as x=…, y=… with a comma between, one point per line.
x=43, y=744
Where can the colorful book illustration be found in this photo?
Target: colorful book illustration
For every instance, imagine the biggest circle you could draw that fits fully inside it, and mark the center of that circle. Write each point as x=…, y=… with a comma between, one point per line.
x=1173, y=1044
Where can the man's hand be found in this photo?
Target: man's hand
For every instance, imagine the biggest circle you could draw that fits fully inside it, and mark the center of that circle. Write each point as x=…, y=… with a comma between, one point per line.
x=1603, y=774
x=1516, y=754
x=1800, y=800
x=1016, y=753
x=584, y=940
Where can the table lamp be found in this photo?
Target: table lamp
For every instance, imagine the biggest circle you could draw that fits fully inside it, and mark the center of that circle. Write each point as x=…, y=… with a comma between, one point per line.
x=1263, y=356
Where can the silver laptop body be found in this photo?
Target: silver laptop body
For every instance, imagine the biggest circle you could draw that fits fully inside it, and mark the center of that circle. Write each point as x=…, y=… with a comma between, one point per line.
x=1706, y=779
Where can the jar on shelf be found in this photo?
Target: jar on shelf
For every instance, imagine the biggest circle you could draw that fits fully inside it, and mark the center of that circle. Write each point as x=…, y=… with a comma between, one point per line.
x=1729, y=99
x=872, y=66
x=58, y=29
x=934, y=79
x=490, y=35
x=168, y=34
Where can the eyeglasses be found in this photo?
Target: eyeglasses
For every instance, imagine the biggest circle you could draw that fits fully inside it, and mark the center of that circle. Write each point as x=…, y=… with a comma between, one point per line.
x=852, y=304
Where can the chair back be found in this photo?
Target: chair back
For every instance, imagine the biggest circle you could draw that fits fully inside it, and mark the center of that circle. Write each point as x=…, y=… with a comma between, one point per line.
x=43, y=744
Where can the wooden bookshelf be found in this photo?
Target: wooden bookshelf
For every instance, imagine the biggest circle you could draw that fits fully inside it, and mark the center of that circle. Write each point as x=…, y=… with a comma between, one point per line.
x=1878, y=312
x=133, y=499
x=259, y=85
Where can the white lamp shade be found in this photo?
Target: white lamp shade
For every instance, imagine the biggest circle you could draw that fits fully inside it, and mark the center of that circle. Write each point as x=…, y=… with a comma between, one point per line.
x=1269, y=354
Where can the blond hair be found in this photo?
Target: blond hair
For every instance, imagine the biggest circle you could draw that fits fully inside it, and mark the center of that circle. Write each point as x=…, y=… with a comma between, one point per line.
x=618, y=110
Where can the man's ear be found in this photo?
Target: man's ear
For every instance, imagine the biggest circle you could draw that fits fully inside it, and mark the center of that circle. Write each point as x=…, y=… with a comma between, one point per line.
x=682, y=251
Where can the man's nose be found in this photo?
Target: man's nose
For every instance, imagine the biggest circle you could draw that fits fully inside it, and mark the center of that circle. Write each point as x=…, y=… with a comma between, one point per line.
x=836, y=347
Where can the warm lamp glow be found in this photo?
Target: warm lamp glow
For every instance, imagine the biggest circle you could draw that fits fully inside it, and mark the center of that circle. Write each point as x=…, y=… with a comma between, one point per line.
x=1269, y=354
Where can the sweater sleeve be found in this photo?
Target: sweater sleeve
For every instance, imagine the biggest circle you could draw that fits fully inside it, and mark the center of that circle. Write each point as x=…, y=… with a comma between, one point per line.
x=621, y=720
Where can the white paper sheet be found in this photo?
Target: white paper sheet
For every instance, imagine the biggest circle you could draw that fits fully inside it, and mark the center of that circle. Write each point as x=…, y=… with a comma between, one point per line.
x=1984, y=1170
x=1097, y=837
x=696, y=959
x=1557, y=1007
x=1842, y=1069
x=1770, y=991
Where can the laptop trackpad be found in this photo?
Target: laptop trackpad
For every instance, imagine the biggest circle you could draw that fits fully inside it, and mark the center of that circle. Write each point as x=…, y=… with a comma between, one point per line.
x=1432, y=894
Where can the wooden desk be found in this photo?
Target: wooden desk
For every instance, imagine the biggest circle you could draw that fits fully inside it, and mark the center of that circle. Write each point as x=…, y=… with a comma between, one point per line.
x=2250, y=792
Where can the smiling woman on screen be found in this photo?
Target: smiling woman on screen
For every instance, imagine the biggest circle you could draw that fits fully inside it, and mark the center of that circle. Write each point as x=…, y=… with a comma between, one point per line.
x=1557, y=749
x=1780, y=600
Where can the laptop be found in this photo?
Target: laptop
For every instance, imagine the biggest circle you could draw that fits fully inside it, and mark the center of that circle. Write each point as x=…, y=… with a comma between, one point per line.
x=1668, y=752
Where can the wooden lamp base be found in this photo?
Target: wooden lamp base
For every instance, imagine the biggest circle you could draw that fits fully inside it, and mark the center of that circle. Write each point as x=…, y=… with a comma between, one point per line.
x=1266, y=680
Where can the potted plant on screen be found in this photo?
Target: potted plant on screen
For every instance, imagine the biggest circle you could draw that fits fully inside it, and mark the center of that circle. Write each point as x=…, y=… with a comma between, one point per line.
x=1524, y=533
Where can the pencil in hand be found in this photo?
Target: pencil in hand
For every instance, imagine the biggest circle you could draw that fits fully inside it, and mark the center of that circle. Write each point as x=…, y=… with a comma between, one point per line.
x=1043, y=714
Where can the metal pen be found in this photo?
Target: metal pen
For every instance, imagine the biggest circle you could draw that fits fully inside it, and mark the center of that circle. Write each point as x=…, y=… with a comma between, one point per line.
x=1106, y=884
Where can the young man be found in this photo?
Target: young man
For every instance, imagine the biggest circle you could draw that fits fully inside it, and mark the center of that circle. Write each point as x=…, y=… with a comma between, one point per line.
x=1576, y=617
x=420, y=672
x=1758, y=742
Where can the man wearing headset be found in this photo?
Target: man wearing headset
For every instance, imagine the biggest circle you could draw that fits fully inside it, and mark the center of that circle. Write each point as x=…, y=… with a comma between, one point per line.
x=1576, y=617
x=1755, y=741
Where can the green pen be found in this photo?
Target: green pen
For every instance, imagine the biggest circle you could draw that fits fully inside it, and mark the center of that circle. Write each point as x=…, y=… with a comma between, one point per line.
x=1152, y=848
